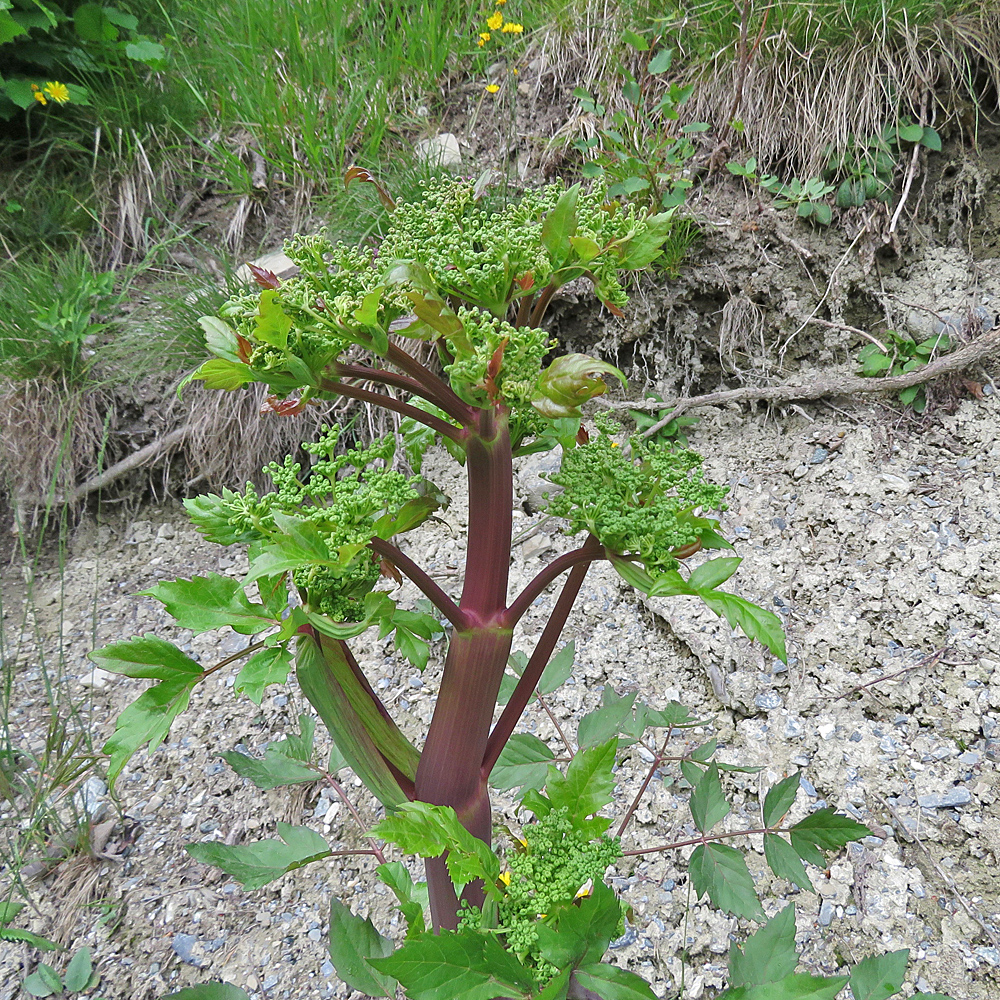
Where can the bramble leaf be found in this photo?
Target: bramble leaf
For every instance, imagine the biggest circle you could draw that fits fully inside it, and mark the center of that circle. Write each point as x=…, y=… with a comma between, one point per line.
x=207, y=602
x=611, y=983
x=829, y=830
x=768, y=955
x=708, y=803
x=799, y=986
x=268, y=666
x=583, y=931
x=274, y=771
x=209, y=991
x=722, y=872
x=522, y=764
x=879, y=977
x=587, y=784
x=227, y=375
x=353, y=941
x=780, y=798
x=220, y=338
x=210, y=515
x=782, y=859
x=459, y=965
x=254, y=865
x=397, y=878
x=146, y=656
x=601, y=724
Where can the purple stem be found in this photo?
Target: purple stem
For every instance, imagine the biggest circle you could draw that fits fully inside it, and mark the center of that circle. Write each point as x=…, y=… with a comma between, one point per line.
x=431, y=590
x=447, y=399
x=388, y=403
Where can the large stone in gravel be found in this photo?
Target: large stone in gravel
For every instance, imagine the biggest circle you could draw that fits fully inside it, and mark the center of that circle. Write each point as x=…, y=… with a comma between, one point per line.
x=958, y=796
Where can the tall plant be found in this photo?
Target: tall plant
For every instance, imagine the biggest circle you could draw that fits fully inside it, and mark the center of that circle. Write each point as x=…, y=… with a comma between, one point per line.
x=475, y=283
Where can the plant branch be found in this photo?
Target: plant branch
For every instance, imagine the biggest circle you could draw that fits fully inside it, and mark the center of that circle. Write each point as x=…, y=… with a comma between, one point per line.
x=447, y=399
x=704, y=839
x=246, y=651
x=657, y=760
x=430, y=589
x=538, y=313
x=586, y=553
x=524, y=310
x=558, y=728
x=339, y=789
x=387, y=402
x=383, y=376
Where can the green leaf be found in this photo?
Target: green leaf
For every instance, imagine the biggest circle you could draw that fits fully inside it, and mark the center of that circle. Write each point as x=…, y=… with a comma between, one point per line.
x=410, y=645
x=147, y=656
x=10, y=29
x=768, y=955
x=430, y=830
x=784, y=862
x=645, y=244
x=208, y=602
x=43, y=982
x=708, y=803
x=669, y=583
x=522, y=764
x=268, y=666
x=210, y=515
x=227, y=375
x=910, y=133
x=873, y=362
x=569, y=382
x=587, y=784
x=272, y=323
x=603, y=723
x=807, y=851
x=147, y=720
x=461, y=965
x=829, y=830
x=755, y=621
x=413, y=513
x=779, y=799
x=931, y=139
x=559, y=226
x=254, y=865
x=722, y=872
x=220, y=339
x=209, y=991
x=397, y=878
x=353, y=942
x=9, y=911
x=711, y=574
x=879, y=976
x=795, y=987
x=582, y=932
x=611, y=983
x=660, y=63
x=148, y=52
x=637, y=42
x=274, y=771
x=633, y=574
x=92, y=24
x=79, y=971
x=822, y=212
x=558, y=669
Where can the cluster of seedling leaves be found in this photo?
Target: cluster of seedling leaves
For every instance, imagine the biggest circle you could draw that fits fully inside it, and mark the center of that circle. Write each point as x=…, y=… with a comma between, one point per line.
x=903, y=354
x=805, y=196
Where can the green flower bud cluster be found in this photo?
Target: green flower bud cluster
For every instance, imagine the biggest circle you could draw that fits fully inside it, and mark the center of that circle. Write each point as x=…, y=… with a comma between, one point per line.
x=557, y=863
x=637, y=500
x=341, y=504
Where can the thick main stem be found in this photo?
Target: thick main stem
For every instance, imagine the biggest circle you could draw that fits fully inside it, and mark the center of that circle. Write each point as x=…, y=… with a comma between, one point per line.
x=450, y=770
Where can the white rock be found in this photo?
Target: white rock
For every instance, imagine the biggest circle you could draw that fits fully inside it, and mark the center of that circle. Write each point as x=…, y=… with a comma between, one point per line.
x=277, y=262
x=440, y=150
x=97, y=679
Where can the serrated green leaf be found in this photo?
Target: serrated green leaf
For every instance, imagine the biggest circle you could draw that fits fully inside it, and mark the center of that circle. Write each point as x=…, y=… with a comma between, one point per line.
x=35, y=940
x=587, y=784
x=721, y=871
x=209, y=991
x=146, y=656
x=795, y=987
x=353, y=941
x=674, y=716
x=586, y=248
x=9, y=910
x=601, y=724
x=411, y=646
x=268, y=666
x=397, y=878
x=807, y=851
x=227, y=375
x=430, y=830
x=879, y=977
x=274, y=771
x=79, y=971
x=780, y=798
x=146, y=51
x=755, y=622
x=523, y=763
x=611, y=983
x=711, y=574
x=220, y=338
x=829, y=830
x=708, y=802
x=691, y=772
x=557, y=987
x=255, y=865
x=461, y=965
x=768, y=955
x=210, y=516
x=669, y=583
x=582, y=932
x=633, y=574
x=660, y=63
x=784, y=862
x=272, y=324
x=559, y=225
x=208, y=602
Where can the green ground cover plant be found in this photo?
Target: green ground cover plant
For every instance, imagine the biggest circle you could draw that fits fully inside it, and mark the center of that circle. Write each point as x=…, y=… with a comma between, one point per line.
x=897, y=353
x=534, y=920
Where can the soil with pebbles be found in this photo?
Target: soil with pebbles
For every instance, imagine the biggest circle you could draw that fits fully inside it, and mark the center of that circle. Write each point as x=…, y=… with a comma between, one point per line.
x=876, y=537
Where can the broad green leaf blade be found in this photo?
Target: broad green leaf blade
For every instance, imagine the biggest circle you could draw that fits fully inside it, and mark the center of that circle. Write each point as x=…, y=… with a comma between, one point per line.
x=272, y=323
x=254, y=865
x=807, y=850
x=611, y=983
x=147, y=720
x=558, y=670
x=800, y=986
x=43, y=982
x=784, y=862
x=708, y=802
x=879, y=976
x=587, y=784
x=209, y=991
x=146, y=656
x=210, y=515
x=713, y=573
x=780, y=798
x=755, y=621
x=225, y=375
x=583, y=931
x=721, y=872
x=320, y=686
x=78, y=972
x=633, y=574
x=220, y=338
x=274, y=771
x=457, y=966
x=603, y=723
x=829, y=830
x=207, y=602
x=768, y=955
x=353, y=942
x=559, y=226
x=268, y=666
x=397, y=878
x=522, y=764
x=35, y=940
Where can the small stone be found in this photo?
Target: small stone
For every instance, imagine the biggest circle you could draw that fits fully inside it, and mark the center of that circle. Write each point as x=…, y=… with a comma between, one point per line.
x=818, y=456
x=826, y=913
x=415, y=682
x=957, y=796
x=188, y=949
x=314, y=935
x=327, y=970
x=629, y=937
x=280, y=700
x=209, y=826
x=826, y=731
x=269, y=983
x=166, y=531
x=536, y=545
x=768, y=700
x=992, y=955
x=88, y=799
x=793, y=728
x=440, y=150
x=188, y=820
x=97, y=679
x=800, y=471
x=808, y=787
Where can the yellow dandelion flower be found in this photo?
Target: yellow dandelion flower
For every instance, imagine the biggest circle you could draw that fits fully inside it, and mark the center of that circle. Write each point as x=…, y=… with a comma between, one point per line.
x=484, y=37
x=40, y=97
x=59, y=92
x=491, y=88
x=494, y=21
x=500, y=3
x=505, y=878
x=510, y=28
